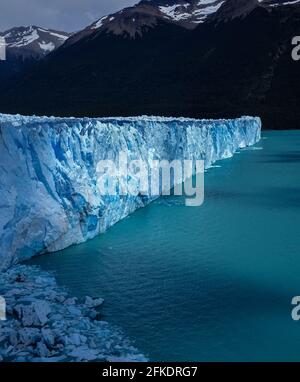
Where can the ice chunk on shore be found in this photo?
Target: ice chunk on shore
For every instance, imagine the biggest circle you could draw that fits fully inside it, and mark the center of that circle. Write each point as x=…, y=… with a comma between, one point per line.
x=40, y=327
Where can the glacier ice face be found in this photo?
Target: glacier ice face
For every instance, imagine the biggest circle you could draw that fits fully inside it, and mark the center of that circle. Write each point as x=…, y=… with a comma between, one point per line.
x=48, y=182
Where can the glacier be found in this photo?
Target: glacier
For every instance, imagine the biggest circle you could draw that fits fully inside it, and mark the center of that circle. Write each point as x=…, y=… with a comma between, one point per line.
x=48, y=180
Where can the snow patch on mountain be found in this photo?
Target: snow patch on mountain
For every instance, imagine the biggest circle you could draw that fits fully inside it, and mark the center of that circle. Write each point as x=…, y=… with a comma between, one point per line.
x=196, y=12
x=48, y=47
x=175, y=12
x=99, y=23
x=284, y=3
x=276, y=3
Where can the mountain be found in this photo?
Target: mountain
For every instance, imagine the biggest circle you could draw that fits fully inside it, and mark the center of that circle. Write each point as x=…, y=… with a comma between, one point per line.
x=132, y=21
x=197, y=59
x=27, y=44
x=135, y=20
x=32, y=41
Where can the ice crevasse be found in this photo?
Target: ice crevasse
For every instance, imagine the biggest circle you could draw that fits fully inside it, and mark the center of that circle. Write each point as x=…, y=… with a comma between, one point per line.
x=48, y=172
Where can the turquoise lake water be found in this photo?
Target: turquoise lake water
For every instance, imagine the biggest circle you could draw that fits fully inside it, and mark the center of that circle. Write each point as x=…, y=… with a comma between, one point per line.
x=212, y=283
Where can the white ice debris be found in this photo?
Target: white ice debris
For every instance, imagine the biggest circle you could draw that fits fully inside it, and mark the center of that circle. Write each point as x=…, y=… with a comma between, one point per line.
x=41, y=324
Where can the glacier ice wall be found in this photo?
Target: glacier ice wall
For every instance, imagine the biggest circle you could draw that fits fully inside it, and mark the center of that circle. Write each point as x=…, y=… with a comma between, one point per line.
x=49, y=196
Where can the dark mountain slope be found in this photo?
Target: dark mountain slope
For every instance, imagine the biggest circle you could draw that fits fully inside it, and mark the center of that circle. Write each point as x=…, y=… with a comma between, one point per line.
x=102, y=76
x=24, y=46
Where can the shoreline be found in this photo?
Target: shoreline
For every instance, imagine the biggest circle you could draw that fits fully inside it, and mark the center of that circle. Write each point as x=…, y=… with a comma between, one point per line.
x=45, y=324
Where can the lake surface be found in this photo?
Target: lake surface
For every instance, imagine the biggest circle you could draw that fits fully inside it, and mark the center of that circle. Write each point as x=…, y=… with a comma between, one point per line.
x=212, y=283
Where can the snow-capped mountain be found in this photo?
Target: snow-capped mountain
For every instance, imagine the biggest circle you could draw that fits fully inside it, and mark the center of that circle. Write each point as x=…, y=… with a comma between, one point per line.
x=133, y=21
x=147, y=13
x=32, y=41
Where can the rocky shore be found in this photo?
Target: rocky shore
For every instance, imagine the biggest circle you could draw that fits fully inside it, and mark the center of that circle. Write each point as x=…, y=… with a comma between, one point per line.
x=45, y=324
